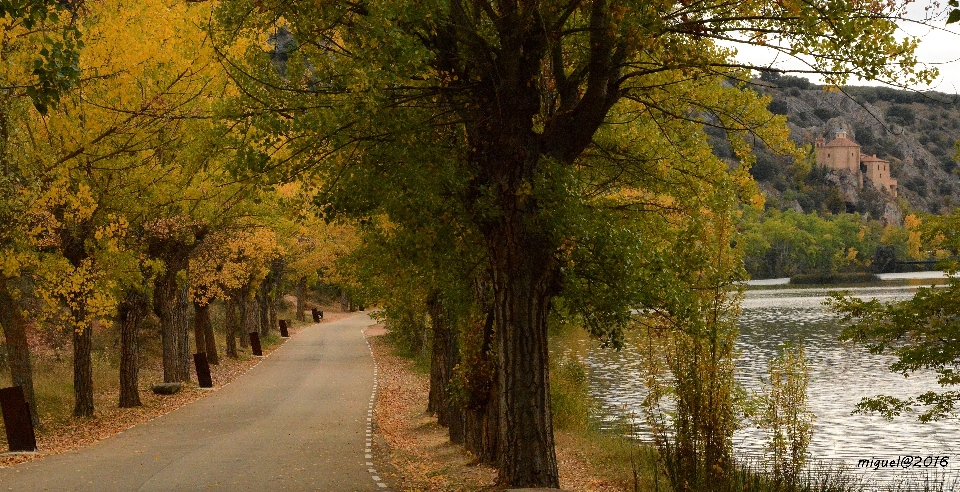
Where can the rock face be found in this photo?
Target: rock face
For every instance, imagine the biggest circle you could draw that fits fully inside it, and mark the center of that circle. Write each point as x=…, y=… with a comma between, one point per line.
x=166, y=388
x=915, y=132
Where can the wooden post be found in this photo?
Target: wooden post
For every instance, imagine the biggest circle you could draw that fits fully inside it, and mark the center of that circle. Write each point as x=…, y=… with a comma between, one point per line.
x=16, y=420
x=317, y=315
x=203, y=370
x=283, y=329
x=255, y=344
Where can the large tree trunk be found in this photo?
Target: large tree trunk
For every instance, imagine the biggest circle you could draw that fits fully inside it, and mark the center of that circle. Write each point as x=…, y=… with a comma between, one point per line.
x=131, y=312
x=482, y=411
x=203, y=332
x=18, y=350
x=524, y=282
x=231, y=326
x=171, y=306
x=301, y=301
x=82, y=368
x=444, y=357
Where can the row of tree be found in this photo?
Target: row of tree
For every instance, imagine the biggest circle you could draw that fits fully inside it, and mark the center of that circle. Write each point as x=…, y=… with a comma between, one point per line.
x=512, y=161
x=118, y=197
x=784, y=244
x=506, y=162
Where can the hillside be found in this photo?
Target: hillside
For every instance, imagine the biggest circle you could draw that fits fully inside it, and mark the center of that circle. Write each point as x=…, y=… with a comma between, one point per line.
x=915, y=132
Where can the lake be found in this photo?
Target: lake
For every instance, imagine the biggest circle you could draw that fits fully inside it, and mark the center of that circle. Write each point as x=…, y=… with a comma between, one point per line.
x=841, y=374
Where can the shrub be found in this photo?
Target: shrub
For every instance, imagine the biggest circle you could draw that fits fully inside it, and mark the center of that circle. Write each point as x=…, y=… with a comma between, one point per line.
x=833, y=278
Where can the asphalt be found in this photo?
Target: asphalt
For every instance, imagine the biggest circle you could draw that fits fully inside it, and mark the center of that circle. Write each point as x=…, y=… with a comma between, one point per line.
x=296, y=421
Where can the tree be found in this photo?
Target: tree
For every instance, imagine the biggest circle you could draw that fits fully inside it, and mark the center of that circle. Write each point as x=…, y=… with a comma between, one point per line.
x=41, y=50
x=922, y=332
x=569, y=118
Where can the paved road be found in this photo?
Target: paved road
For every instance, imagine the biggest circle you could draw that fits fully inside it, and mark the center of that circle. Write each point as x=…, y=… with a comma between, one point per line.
x=296, y=421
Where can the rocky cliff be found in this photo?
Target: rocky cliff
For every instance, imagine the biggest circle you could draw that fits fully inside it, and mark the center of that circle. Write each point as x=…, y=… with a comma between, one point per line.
x=914, y=131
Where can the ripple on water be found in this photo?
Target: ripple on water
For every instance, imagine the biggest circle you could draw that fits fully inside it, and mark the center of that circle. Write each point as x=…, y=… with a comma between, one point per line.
x=841, y=374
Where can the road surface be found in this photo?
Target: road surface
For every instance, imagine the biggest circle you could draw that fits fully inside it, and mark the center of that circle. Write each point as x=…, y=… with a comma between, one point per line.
x=296, y=421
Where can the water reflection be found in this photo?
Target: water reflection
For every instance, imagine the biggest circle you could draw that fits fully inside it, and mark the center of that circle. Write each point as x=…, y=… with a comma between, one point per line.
x=841, y=374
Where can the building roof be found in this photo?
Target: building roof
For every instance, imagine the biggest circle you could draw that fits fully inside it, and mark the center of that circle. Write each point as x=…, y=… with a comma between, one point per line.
x=870, y=158
x=842, y=141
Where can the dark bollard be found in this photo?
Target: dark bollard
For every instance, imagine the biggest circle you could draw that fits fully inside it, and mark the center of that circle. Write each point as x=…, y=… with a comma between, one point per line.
x=255, y=344
x=317, y=315
x=203, y=370
x=283, y=329
x=16, y=420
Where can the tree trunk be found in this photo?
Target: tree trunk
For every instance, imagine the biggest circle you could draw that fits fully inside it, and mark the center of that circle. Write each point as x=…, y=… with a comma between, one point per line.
x=15, y=332
x=248, y=314
x=182, y=319
x=273, y=323
x=524, y=283
x=209, y=344
x=444, y=358
x=263, y=310
x=231, y=326
x=166, y=305
x=82, y=369
x=131, y=312
x=481, y=413
x=201, y=316
x=301, y=302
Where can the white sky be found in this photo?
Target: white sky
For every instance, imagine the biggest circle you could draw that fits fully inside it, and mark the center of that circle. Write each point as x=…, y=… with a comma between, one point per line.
x=939, y=48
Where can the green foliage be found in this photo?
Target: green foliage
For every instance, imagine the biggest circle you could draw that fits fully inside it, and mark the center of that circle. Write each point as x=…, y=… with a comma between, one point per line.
x=901, y=114
x=784, y=244
x=570, y=398
x=785, y=414
x=921, y=332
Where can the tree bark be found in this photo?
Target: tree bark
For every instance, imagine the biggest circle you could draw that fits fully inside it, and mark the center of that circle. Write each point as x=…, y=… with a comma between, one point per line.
x=231, y=326
x=169, y=306
x=481, y=413
x=209, y=339
x=248, y=320
x=201, y=316
x=182, y=320
x=82, y=368
x=444, y=357
x=301, y=302
x=273, y=323
x=131, y=312
x=524, y=282
x=263, y=310
x=14, y=326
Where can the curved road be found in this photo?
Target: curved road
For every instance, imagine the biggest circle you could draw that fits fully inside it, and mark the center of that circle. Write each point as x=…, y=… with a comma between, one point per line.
x=296, y=421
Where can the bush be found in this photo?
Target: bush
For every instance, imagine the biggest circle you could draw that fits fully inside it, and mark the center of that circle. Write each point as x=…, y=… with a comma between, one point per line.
x=764, y=169
x=779, y=107
x=833, y=278
x=824, y=113
x=901, y=114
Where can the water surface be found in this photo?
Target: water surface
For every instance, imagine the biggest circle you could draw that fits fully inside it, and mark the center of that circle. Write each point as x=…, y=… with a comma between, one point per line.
x=841, y=374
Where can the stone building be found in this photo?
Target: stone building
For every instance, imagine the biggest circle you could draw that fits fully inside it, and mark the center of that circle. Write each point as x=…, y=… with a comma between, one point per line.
x=843, y=154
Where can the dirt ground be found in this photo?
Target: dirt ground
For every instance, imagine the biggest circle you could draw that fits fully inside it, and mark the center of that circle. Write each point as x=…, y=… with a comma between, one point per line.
x=418, y=448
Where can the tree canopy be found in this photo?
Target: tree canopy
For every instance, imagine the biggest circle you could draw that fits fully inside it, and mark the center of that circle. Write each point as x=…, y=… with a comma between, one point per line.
x=562, y=141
